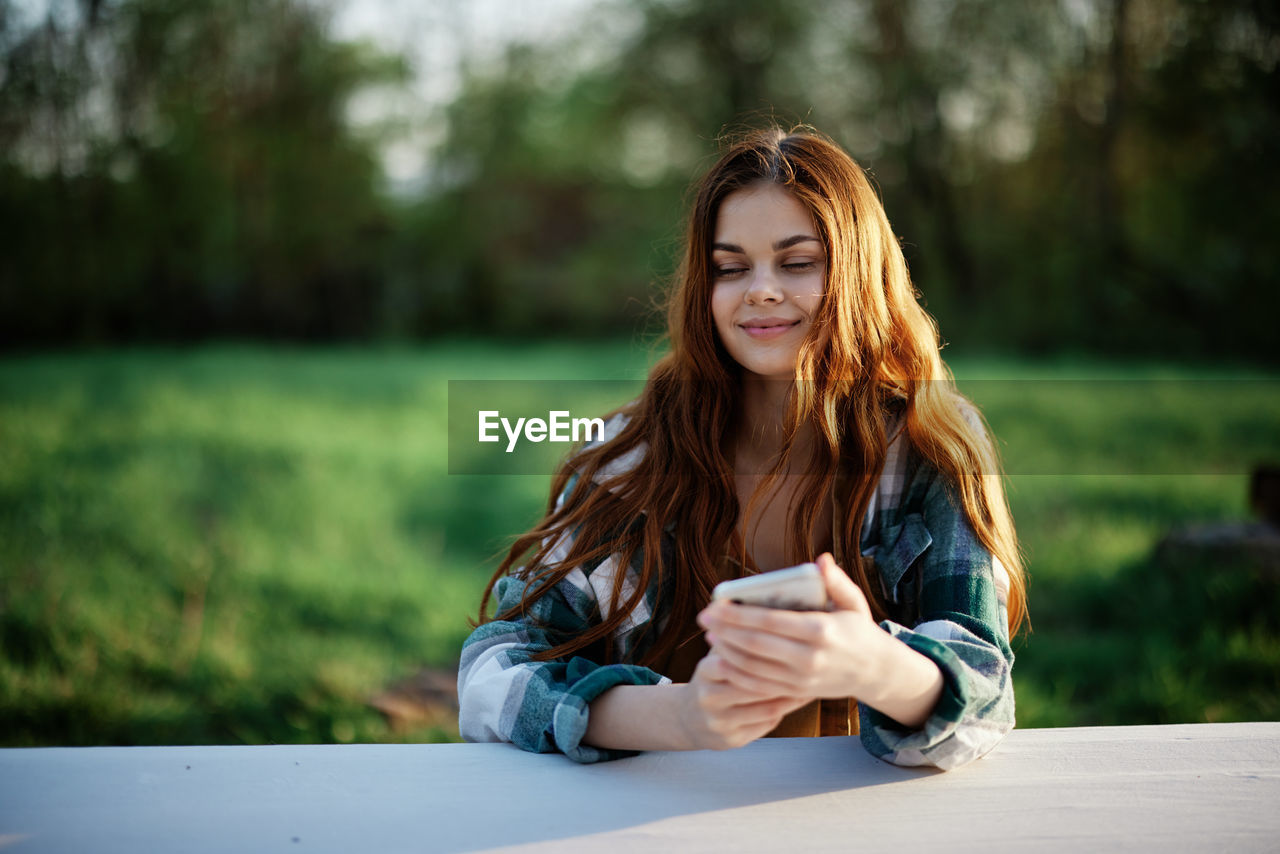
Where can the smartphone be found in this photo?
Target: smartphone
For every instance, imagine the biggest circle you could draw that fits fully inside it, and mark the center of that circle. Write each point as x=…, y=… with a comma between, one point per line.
x=799, y=588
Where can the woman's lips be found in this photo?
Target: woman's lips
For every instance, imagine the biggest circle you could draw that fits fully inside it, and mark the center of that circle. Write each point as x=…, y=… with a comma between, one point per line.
x=768, y=328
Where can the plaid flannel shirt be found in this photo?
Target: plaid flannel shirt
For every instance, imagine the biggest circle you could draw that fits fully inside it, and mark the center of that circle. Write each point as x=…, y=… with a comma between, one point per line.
x=944, y=590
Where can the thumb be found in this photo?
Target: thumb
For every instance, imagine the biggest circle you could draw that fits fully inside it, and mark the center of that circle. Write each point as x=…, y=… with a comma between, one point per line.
x=846, y=595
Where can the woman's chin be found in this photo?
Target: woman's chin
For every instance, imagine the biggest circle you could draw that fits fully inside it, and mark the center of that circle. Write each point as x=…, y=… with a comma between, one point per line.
x=771, y=372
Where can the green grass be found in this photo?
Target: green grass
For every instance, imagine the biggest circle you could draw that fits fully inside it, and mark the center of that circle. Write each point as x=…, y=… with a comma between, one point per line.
x=245, y=544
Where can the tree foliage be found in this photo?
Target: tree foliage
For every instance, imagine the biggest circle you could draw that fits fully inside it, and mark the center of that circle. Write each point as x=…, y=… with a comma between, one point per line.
x=181, y=168
x=1084, y=175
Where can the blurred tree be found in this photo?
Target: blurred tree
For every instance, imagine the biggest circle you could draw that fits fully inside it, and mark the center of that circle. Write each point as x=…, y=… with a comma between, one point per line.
x=535, y=225
x=910, y=94
x=181, y=169
x=1064, y=174
x=1141, y=218
x=561, y=184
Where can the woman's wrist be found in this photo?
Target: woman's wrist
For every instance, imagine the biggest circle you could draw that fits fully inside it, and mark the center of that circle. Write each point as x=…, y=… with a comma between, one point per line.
x=902, y=683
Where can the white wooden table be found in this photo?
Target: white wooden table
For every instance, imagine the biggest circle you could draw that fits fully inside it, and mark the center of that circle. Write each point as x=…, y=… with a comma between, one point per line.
x=1204, y=787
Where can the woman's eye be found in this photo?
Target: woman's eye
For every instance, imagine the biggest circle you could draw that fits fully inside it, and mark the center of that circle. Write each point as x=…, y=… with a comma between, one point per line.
x=724, y=272
x=799, y=266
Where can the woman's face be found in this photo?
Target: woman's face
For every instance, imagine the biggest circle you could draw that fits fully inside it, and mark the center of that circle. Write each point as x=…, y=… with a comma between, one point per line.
x=768, y=270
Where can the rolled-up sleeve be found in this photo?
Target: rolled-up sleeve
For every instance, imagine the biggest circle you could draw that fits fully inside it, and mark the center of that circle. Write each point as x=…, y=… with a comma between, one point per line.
x=960, y=623
x=540, y=706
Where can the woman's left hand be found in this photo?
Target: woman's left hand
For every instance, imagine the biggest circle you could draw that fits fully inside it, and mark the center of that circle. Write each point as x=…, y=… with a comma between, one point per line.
x=800, y=653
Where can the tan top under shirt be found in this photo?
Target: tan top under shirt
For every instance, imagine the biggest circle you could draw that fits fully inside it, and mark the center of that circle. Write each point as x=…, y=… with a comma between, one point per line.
x=837, y=716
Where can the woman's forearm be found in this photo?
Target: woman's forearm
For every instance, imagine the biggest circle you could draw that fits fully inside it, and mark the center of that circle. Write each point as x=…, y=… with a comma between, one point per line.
x=706, y=712
x=907, y=686
x=638, y=717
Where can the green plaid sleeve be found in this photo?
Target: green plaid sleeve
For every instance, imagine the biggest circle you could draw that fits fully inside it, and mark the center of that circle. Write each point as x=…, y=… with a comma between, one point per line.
x=540, y=706
x=943, y=581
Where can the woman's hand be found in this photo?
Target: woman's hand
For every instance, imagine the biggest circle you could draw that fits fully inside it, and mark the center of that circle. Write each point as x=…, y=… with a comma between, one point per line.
x=765, y=663
x=799, y=653
x=719, y=714
x=810, y=654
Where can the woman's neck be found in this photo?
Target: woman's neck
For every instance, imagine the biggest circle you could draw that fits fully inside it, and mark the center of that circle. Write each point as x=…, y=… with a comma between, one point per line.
x=759, y=437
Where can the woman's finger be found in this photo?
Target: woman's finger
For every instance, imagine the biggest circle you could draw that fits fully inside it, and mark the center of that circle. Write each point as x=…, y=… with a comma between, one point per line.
x=767, y=647
x=802, y=626
x=846, y=595
x=750, y=675
x=724, y=683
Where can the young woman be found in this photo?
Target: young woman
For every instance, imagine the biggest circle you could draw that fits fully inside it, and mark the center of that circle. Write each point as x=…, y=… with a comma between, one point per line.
x=803, y=412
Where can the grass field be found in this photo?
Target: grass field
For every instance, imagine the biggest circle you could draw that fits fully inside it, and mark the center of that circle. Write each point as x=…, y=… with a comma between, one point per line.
x=235, y=545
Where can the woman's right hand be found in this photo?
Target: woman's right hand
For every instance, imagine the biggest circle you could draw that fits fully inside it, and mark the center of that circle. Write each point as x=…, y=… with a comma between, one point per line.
x=719, y=715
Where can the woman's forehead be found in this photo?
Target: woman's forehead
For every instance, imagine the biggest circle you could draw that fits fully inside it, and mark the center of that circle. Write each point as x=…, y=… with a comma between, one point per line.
x=762, y=210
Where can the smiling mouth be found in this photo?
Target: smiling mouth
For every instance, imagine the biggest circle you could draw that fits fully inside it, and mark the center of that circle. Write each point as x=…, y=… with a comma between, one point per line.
x=768, y=327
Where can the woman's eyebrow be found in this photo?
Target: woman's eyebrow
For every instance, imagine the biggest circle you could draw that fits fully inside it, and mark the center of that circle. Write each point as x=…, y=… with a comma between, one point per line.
x=793, y=240
x=777, y=246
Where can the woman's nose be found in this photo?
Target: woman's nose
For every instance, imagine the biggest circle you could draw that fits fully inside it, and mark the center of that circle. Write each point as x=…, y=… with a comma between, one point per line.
x=763, y=288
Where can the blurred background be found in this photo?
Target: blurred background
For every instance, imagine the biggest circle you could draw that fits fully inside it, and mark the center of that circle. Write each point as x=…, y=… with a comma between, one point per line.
x=245, y=244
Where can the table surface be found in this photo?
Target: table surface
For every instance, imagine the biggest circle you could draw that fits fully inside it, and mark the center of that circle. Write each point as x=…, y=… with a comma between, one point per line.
x=1150, y=788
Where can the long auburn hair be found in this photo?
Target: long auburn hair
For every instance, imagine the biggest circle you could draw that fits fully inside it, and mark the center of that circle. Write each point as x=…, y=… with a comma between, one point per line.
x=871, y=347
